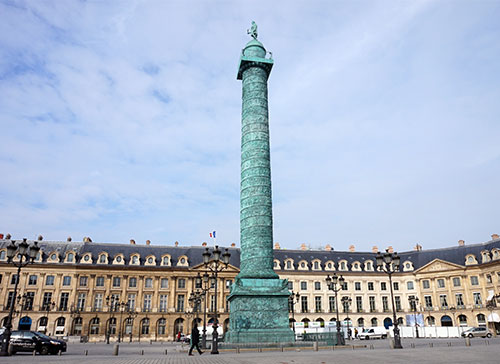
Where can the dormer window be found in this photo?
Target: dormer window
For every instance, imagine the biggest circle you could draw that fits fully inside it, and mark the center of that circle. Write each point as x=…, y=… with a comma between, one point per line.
x=302, y=265
x=118, y=259
x=316, y=265
x=2, y=255
x=150, y=260
x=135, y=259
x=183, y=260
x=342, y=266
x=288, y=264
x=53, y=256
x=70, y=258
x=86, y=258
x=165, y=261
x=102, y=258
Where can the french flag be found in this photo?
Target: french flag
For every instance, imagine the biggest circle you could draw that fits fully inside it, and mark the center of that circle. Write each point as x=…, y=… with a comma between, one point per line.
x=212, y=235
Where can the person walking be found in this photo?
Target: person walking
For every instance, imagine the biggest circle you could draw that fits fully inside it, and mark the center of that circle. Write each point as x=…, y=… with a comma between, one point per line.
x=195, y=341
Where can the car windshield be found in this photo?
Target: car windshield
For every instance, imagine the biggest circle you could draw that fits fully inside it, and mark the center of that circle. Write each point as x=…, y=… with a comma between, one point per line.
x=42, y=335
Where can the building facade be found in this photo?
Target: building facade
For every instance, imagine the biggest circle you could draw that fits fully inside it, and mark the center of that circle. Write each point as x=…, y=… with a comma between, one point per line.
x=141, y=292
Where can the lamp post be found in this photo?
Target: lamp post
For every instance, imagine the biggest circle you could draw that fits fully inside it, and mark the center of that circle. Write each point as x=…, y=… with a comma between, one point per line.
x=203, y=283
x=331, y=283
x=453, y=310
x=389, y=264
x=130, y=318
x=292, y=300
x=213, y=262
x=49, y=306
x=21, y=301
x=195, y=300
x=27, y=254
x=122, y=306
x=346, y=302
x=110, y=302
x=413, y=305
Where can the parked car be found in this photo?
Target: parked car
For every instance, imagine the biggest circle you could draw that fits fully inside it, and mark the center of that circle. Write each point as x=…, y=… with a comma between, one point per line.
x=32, y=340
x=373, y=333
x=477, y=331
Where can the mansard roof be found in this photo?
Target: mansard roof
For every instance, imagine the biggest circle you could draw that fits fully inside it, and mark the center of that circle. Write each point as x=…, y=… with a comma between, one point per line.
x=419, y=259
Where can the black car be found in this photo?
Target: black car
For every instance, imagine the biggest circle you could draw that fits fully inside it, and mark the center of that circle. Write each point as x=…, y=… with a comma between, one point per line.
x=32, y=340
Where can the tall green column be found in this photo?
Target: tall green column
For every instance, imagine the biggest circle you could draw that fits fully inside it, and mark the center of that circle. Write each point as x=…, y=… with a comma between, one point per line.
x=258, y=299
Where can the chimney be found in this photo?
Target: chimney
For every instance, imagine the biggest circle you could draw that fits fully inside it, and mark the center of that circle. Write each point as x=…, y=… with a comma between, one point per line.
x=328, y=247
x=204, y=243
x=8, y=236
x=277, y=246
x=233, y=245
x=390, y=249
x=374, y=249
x=86, y=239
x=132, y=242
x=148, y=242
x=1, y=236
x=176, y=243
x=417, y=247
x=494, y=236
x=461, y=242
x=303, y=246
x=68, y=239
x=40, y=238
x=352, y=248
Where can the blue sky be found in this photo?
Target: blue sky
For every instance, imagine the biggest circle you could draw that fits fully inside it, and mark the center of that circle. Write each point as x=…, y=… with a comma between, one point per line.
x=121, y=120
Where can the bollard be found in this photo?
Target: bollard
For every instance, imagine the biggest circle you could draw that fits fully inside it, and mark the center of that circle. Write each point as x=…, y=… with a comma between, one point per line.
x=34, y=352
x=467, y=341
x=59, y=353
x=315, y=346
x=86, y=352
x=150, y=342
x=281, y=348
x=142, y=352
x=166, y=351
x=372, y=347
x=116, y=349
x=259, y=349
x=431, y=345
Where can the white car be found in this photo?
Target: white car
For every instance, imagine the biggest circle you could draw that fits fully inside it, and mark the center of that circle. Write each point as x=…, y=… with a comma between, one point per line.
x=373, y=333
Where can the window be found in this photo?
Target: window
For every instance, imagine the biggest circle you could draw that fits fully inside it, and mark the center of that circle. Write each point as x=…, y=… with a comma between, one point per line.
x=181, y=283
x=102, y=258
x=98, y=302
x=148, y=283
x=474, y=280
x=212, y=303
x=183, y=260
x=119, y=259
x=66, y=281
x=397, y=303
x=456, y=282
x=345, y=286
x=303, y=265
x=316, y=265
x=145, y=326
x=303, y=304
x=370, y=286
x=47, y=301
x=357, y=286
x=28, y=302
x=162, y=326
x=329, y=265
x=9, y=300
x=147, y=303
x=84, y=281
x=180, y=303
x=303, y=286
x=395, y=285
x=163, y=302
x=409, y=285
x=131, y=301
x=2, y=255
x=440, y=283
x=443, y=301
x=150, y=260
x=489, y=279
x=345, y=304
x=383, y=286
x=317, y=303
x=165, y=261
x=63, y=302
x=460, y=300
x=317, y=286
x=359, y=304
x=331, y=303
x=117, y=281
x=70, y=257
x=80, y=305
x=13, y=279
x=53, y=256
x=164, y=283
x=132, y=282
x=342, y=266
x=477, y=298
x=368, y=265
x=290, y=285
x=428, y=301
x=99, y=282
x=371, y=301
x=426, y=284
x=32, y=280
x=94, y=326
x=385, y=303
x=135, y=259
x=276, y=265
x=229, y=283
x=288, y=264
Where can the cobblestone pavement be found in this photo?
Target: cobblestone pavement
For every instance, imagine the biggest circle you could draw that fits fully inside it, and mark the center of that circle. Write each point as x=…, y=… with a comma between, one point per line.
x=373, y=352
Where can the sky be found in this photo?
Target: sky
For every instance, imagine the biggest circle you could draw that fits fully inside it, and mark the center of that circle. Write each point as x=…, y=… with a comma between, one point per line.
x=121, y=120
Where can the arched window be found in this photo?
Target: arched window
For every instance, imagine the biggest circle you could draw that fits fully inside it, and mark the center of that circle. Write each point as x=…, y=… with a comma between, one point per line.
x=112, y=325
x=129, y=324
x=135, y=259
x=342, y=266
x=2, y=255
x=77, y=326
x=70, y=258
x=374, y=322
x=361, y=322
x=306, y=322
x=481, y=320
x=102, y=258
x=400, y=321
x=446, y=321
x=431, y=321
x=387, y=322
x=43, y=321
x=94, y=326
x=145, y=326
x=166, y=260
x=288, y=264
x=316, y=265
x=178, y=326
x=162, y=326
x=462, y=319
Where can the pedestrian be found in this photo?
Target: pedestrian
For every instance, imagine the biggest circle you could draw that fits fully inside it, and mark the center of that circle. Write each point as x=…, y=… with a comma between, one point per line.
x=195, y=340
x=356, y=336
x=179, y=336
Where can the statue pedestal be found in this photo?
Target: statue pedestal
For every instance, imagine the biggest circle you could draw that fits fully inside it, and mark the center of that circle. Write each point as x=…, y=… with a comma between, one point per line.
x=259, y=311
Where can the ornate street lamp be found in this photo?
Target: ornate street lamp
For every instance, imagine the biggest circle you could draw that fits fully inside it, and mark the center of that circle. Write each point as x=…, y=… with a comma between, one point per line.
x=331, y=283
x=389, y=264
x=26, y=254
x=215, y=264
x=195, y=300
x=110, y=302
x=413, y=305
x=203, y=283
x=292, y=300
x=122, y=306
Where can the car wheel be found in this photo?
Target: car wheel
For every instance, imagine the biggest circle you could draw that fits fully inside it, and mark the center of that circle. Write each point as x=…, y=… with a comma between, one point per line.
x=367, y=338
x=488, y=335
x=470, y=335
x=384, y=336
x=44, y=350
